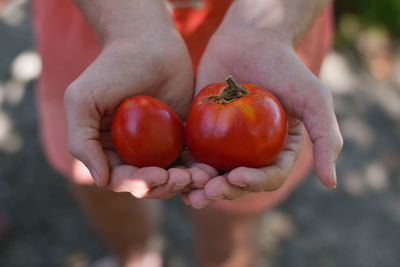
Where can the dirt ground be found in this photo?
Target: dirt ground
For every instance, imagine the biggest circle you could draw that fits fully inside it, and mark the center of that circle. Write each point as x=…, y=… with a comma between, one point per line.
x=356, y=225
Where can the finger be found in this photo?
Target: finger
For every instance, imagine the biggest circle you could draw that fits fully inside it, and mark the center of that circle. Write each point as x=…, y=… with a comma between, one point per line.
x=187, y=187
x=137, y=181
x=219, y=188
x=321, y=123
x=113, y=159
x=177, y=181
x=257, y=180
x=304, y=96
x=198, y=199
x=201, y=174
x=185, y=198
x=272, y=177
x=83, y=135
x=199, y=178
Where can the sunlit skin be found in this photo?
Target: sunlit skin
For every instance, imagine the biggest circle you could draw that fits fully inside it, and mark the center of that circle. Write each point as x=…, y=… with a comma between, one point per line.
x=142, y=53
x=245, y=45
x=146, y=132
x=252, y=50
x=247, y=131
x=156, y=65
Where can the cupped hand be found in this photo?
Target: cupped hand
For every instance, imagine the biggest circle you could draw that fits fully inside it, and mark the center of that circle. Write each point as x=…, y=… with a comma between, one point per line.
x=272, y=63
x=157, y=65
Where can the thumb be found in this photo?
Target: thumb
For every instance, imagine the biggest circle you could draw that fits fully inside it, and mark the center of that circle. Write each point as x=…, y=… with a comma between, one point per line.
x=320, y=120
x=83, y=121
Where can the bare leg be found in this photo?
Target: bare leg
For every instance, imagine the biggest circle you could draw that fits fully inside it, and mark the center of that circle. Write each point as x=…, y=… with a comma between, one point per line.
x=126, y=224
x=224, y=239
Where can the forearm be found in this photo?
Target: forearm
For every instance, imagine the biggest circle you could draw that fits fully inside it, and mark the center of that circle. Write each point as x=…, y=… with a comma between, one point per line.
x=285, y=19
x=124, y=19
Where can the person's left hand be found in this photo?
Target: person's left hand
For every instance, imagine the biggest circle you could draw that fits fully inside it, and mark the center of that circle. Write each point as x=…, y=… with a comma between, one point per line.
x=271, y=62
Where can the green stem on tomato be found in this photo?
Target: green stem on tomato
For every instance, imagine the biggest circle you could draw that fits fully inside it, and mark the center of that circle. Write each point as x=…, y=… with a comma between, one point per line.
x=231, y=92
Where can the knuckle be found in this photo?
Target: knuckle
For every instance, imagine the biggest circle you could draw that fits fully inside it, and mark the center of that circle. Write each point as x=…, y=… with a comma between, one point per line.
x=72, y=95
x=338, y=144
x=323, y=92
x=75, y=96
x=320, y=94
x=77, y=149
x=73, y=148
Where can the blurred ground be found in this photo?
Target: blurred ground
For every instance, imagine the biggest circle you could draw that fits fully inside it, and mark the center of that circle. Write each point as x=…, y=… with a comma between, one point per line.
x=358, y=224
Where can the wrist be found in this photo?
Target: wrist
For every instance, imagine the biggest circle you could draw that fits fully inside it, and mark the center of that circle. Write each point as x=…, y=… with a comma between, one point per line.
x=283, y=21
x=125, y=20
x=259, y=16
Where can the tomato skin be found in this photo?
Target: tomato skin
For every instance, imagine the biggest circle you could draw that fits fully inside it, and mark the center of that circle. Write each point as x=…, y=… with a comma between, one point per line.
x=248, y=131
x=146, y=132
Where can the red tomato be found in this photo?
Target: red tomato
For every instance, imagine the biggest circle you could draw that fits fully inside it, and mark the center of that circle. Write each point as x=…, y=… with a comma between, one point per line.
x=146, y=132
x=232, y=125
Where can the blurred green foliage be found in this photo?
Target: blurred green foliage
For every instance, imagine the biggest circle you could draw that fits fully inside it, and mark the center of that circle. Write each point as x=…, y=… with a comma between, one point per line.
x=353, y=16
x=382, y=13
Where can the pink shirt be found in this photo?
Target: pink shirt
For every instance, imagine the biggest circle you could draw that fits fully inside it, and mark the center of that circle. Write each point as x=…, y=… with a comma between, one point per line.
x=68, y=45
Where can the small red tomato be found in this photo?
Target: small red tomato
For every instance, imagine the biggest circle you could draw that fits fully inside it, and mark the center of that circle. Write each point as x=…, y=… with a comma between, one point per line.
x=232, y=125
x=146, y=132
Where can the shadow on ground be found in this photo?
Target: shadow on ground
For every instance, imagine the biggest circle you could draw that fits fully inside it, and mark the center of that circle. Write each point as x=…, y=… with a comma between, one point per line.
x=355, y=225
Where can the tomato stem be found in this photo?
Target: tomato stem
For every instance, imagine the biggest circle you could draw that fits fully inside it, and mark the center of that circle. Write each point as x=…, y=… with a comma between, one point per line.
x=231, y=92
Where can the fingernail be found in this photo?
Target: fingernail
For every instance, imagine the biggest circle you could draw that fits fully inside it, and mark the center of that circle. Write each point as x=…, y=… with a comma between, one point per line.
x=198, y=207
x=217, y=197
x=186, y=201
x=94, y=175
x=334, y=174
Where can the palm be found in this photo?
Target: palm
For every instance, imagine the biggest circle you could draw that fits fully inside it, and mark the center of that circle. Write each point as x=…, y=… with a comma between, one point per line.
x=276, y=67
x=91, y=101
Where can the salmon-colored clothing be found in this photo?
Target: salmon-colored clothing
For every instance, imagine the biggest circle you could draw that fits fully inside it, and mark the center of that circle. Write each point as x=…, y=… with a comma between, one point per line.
x=68, y=45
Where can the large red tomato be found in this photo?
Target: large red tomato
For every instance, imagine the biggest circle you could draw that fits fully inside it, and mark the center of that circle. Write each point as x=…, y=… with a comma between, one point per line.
x=146, y=132
x=232, y=125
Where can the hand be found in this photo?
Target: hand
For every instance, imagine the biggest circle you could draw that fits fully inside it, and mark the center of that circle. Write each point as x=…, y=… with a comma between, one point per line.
x=156, y=64
x=267, y=60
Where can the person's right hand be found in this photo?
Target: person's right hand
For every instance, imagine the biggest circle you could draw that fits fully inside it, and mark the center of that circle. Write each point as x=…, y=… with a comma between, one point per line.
x=153, y=62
